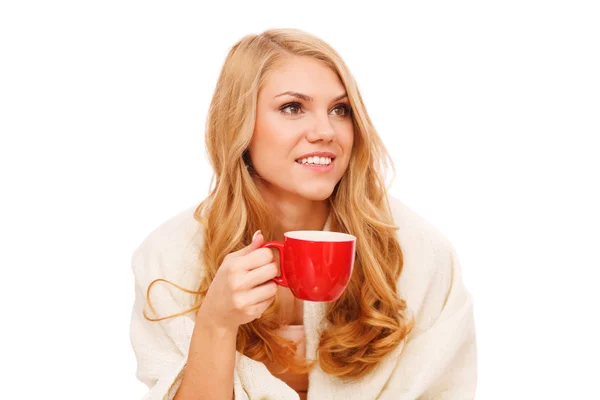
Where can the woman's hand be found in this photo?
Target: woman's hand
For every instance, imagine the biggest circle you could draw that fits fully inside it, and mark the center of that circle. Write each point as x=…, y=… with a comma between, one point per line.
x=242, y=288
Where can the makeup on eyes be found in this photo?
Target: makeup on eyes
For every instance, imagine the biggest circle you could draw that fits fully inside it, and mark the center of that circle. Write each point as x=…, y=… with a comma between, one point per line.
x=296, y=104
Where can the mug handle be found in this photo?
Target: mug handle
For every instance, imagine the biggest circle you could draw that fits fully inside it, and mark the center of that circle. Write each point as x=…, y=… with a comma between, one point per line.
x=280, y=280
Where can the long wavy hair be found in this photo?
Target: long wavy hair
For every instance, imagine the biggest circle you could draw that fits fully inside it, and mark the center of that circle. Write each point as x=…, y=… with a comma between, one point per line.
x=369, y=320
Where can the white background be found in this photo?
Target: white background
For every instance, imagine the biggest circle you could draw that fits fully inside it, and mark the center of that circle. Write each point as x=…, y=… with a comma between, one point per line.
x=491, y=111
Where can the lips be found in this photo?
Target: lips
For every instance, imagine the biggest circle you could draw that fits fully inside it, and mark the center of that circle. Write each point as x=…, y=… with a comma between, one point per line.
x=316, y=158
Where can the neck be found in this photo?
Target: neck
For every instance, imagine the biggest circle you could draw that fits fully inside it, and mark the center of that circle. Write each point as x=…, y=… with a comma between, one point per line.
x=294, y=213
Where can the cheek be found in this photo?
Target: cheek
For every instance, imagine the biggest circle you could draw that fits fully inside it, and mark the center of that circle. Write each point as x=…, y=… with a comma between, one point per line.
x=274, y=138
x=348, y=140
x=347, y=143
x=274, y=147
x=263, y=135
x=271, y=150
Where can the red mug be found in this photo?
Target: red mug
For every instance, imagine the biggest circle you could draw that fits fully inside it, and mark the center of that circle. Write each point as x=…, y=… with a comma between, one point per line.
x=315, y=265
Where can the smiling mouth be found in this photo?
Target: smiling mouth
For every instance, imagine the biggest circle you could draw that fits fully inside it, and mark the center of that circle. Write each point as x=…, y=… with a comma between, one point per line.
x=316, y=161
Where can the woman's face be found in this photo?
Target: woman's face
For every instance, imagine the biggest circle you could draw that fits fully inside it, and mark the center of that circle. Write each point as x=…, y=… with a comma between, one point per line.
x=303, y=134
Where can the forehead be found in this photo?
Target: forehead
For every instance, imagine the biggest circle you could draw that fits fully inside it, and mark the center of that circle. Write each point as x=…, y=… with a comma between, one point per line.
x=305, y=75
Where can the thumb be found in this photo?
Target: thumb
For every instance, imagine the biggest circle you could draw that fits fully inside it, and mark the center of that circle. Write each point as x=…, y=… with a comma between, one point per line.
x=257, y=241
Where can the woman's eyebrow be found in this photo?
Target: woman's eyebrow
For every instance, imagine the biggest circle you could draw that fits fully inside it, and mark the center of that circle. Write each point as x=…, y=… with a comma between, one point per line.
x=306, y=97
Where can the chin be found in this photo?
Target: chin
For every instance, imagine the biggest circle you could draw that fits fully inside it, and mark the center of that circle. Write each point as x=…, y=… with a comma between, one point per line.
x=315, y=193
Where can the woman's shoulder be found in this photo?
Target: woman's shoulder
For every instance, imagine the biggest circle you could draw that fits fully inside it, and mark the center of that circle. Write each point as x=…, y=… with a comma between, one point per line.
x=416, y=230
x=430, y=265
x=170, y=251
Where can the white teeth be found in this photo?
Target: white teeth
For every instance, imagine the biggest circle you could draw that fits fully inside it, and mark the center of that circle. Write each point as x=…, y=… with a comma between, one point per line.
x=315, y=160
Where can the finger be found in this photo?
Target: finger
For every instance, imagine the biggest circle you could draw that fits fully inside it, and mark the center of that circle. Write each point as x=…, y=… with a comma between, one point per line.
x=262, y=292
x=257, y=241
x=260, y=275
x=258, y=309
x=258, y=258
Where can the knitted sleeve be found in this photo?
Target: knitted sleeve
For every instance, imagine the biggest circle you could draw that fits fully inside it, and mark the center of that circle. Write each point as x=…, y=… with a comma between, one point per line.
x=170, y=252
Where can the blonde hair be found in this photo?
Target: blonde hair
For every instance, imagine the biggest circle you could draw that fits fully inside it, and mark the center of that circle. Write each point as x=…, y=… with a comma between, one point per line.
x=369, y=320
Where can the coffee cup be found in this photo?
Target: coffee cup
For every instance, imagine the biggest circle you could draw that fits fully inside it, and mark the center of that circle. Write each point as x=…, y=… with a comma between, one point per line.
x=315, y=265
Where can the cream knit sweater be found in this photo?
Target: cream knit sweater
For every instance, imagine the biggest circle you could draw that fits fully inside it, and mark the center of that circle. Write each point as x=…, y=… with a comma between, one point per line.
x=437, y=361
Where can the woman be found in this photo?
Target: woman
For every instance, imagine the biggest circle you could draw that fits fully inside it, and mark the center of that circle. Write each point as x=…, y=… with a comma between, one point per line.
x=293, y=148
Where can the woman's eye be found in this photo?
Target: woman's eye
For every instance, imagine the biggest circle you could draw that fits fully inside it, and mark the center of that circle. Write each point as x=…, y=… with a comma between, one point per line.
x=292, y=106
x=296, y=108
x=344, y=108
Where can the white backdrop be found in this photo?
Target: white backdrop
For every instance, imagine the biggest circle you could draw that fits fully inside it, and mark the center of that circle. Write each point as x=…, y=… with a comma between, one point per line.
x=490, y=110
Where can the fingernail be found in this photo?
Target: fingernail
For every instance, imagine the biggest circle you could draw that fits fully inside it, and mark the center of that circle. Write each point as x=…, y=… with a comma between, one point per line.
x=255, y=234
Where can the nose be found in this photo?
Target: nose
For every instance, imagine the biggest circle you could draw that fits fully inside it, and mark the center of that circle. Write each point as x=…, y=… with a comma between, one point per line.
x=322, y=130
